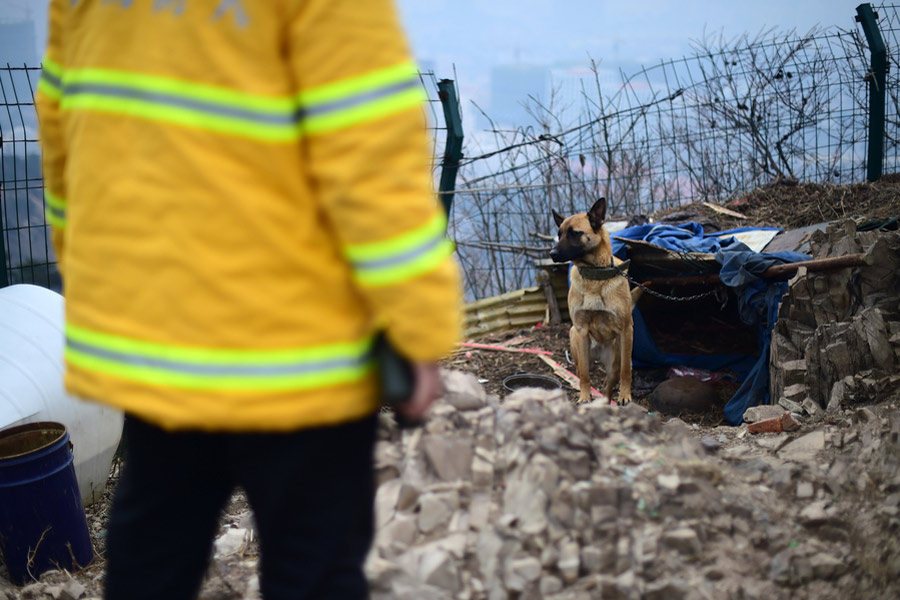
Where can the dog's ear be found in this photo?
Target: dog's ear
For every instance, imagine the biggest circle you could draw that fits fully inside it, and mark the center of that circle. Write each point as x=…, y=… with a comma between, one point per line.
x=597, y=214
x=557, y=217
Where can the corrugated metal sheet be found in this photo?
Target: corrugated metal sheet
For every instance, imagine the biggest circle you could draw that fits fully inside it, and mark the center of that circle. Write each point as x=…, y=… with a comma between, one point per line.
x=512, y=310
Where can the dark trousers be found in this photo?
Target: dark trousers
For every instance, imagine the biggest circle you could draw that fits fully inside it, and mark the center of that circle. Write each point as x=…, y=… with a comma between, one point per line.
x=311, y=491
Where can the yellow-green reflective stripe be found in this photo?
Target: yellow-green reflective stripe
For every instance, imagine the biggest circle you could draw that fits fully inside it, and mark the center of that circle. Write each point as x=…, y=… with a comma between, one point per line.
x=214, y=355
x=48, y=89
x=352, y=86
x=167, y=85
x=422, y=263
x=206, y=368
x=364, y=113
x=402, y=257
x=52, y=67
x=398, y=244
x=360, y=99
x=55, y=209
x=50, y=83
x=54, y=220
x=166, y=378
x=275, y=119
x=181, y=116
x=267, y=118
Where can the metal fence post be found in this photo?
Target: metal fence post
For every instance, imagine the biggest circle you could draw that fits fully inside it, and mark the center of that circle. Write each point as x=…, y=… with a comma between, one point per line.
x=876, y=77
x=453, y=148
x=4, y=279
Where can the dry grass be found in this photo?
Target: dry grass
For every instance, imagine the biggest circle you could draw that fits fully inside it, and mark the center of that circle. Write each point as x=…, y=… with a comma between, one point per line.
x=791, y=205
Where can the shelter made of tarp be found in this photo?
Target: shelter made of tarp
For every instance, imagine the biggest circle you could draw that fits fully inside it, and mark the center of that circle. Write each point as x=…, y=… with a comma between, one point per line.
x=741, y=268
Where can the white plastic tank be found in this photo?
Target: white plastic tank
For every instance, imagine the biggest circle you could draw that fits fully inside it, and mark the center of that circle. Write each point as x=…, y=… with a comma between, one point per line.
x=31, y=384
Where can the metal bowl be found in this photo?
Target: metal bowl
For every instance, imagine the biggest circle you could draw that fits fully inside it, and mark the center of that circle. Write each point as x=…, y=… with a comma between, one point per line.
x=530, y=380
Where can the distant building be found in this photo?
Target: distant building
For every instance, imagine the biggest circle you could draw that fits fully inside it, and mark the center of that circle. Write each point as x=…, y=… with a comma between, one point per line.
x=511, y=86
x=17, y=43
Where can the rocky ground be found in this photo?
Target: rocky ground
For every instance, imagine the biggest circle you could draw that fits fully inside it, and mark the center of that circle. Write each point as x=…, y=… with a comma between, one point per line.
x=531, y=496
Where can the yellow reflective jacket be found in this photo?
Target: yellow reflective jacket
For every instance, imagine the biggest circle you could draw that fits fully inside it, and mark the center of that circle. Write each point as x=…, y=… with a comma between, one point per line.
x=240, y=194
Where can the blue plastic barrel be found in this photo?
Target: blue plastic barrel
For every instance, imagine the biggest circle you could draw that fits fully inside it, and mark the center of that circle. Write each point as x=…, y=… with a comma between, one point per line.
x=42, y=521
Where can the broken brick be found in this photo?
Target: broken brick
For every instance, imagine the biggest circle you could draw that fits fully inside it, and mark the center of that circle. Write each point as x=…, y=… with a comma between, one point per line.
x=772, y=425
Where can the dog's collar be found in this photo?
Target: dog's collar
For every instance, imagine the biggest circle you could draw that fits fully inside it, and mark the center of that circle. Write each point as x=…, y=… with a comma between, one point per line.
x=602, y=273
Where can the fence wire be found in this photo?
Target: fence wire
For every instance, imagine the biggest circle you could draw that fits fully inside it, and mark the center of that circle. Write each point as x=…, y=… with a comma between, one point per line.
x=889, y=24
x=26, y=237
x=736, y=114
x=29, y=256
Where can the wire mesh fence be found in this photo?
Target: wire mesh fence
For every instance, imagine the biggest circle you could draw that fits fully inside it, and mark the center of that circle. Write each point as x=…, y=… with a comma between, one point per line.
x=26, y=244
x=27, y=249
x=736, y=114
x=889, y=24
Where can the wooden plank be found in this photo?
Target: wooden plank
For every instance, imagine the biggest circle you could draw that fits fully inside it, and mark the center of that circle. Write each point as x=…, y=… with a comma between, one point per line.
x=819, y=264
x=724, y=211
x=515, y=341
x=552, y=305
x=503, y=348
x=786, y=269
x=571, y=378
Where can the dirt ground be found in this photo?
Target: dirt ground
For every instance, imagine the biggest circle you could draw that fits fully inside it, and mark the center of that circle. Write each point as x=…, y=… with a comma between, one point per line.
x=492, y=367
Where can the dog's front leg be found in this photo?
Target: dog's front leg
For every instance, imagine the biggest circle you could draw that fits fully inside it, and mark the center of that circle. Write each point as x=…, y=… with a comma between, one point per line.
x=626, y=342
x=580, y=343
x=613, y=367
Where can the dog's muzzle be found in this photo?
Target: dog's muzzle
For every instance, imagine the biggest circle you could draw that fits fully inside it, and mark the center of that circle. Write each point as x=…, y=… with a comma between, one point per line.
x=562, y=255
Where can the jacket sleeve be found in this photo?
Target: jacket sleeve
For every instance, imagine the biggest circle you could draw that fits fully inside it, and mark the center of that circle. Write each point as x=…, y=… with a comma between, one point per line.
x=53, y=149
x=366, y=148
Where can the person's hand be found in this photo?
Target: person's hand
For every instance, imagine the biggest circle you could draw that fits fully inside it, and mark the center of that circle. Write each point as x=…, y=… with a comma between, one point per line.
x=427, y=387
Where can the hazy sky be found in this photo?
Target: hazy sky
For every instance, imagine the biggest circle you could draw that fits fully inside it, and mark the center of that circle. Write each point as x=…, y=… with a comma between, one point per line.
x=489, y=31
x=474, y=35
x=539, y=31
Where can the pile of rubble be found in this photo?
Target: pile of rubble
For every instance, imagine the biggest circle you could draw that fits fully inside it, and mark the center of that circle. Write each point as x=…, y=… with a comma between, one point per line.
x=536, y=497
x=837, y=339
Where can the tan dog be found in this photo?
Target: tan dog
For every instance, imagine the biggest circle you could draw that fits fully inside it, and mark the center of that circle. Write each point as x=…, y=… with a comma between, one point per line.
x=600, y=302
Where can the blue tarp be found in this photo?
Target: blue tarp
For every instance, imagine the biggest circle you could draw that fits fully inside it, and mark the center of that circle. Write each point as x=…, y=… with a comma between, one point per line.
x=758, y=304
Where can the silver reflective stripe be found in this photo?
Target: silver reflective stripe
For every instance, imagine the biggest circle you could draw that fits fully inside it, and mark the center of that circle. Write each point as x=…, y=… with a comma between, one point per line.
x=397, y=259
x=210, y=108
x=58, y=213
x=50, y=78
x=315, y=110
x=269, y=370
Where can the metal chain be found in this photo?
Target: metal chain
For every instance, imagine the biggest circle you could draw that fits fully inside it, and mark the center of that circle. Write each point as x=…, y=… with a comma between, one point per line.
x=715, y=291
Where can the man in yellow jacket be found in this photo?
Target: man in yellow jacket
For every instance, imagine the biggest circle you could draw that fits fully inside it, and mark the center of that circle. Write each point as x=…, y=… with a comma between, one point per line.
x=240, y=195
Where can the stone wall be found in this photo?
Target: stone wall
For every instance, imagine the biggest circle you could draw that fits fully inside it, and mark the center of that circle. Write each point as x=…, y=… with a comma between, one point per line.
x=837, y=339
